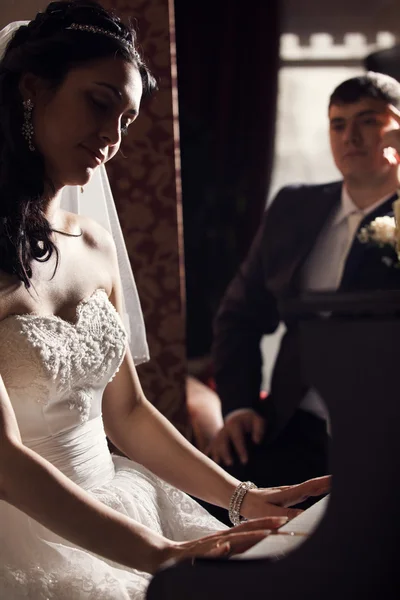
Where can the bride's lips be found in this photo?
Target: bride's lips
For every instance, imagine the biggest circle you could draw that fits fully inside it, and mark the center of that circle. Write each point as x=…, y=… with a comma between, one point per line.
x=97, y=157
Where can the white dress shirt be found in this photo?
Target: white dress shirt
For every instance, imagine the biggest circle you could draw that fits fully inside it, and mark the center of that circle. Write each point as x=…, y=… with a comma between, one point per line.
x=324, y=267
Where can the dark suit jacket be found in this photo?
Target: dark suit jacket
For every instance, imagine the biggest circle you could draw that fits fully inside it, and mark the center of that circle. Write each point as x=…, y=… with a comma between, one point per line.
x=271, y=273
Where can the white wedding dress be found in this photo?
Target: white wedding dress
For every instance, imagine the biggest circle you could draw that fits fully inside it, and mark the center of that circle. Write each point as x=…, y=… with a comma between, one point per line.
x=55, y=373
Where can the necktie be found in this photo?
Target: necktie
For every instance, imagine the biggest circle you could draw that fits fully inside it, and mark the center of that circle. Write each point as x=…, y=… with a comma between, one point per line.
x=353, y=221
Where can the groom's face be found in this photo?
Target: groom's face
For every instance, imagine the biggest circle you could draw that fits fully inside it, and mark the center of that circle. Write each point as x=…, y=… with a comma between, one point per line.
x=79, y=126
x=356, y=131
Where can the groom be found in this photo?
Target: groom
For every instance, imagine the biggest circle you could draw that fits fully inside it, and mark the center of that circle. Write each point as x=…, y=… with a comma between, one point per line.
x=307, y=241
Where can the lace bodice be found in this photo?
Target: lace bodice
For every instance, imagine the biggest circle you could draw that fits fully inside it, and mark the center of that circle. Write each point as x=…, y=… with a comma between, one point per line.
x=55, y=371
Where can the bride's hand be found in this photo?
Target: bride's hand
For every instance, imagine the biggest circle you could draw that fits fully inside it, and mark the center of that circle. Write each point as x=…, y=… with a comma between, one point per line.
x=225, y=543
x=273, y=501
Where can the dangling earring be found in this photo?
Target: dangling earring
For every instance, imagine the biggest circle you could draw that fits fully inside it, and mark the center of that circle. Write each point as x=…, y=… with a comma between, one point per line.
x=27, y=127
x=82, y=190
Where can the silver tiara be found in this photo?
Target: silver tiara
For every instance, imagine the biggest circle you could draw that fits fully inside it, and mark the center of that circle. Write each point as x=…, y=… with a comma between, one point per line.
x=94, y=29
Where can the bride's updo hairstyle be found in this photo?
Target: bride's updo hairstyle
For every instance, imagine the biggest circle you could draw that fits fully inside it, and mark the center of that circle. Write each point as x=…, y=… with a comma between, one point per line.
x=48, y=47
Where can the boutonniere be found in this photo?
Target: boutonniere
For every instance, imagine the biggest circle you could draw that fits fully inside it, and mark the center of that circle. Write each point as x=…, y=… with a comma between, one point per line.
x=384, y=231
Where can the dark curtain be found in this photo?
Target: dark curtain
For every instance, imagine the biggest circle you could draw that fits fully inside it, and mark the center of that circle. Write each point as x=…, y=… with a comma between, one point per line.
x=228, y=56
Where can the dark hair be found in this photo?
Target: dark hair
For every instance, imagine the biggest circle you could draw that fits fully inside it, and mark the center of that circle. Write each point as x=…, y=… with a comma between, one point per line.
x=47, y=48
x=371, y=85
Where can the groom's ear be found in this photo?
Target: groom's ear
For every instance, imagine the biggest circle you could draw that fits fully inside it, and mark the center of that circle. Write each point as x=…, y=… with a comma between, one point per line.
x=31, y=87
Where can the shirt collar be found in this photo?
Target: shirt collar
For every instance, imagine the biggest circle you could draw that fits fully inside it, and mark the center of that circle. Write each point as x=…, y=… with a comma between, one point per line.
x=347, y=206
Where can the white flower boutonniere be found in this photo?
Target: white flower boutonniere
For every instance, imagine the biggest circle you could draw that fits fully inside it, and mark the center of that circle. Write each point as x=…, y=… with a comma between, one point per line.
x=381, y=231
x=384, y=231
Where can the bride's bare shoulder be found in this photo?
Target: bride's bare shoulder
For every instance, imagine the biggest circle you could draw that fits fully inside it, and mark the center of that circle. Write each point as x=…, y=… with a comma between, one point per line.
x=94, y=235
x=97, y=239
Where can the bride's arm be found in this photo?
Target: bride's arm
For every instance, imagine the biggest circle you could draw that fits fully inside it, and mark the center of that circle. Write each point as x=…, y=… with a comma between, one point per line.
x=144, y=435
x=34, y=486
x=37, y=488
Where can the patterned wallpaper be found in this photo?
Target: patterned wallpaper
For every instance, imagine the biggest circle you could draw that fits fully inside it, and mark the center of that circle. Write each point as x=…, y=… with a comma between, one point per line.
x=147, y=193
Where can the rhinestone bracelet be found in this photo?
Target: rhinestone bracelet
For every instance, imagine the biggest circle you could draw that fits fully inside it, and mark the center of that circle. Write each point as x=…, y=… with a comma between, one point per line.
x=236, y=500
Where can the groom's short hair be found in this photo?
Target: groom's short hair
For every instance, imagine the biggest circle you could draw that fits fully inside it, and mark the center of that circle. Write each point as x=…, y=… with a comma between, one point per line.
x=370, y=85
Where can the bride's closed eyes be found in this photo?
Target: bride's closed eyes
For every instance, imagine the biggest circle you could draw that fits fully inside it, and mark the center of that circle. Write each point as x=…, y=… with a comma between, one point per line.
x=106, y=106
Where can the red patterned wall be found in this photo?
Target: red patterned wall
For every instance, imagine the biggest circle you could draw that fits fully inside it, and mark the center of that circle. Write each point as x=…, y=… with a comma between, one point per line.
x=147, y=197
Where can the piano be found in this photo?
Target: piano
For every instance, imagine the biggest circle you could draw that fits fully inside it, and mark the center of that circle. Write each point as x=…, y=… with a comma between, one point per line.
x=351, y=547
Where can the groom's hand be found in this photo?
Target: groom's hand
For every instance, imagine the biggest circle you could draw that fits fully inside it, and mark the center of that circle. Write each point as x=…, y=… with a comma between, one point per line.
x=391, y=136
x=237, y=426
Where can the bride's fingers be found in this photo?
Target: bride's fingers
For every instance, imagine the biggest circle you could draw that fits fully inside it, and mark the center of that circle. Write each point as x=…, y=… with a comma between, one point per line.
x=300, y=492
x=243, y=544
x=220, y=551
x=277, y=507
x=239, y=542
x=319, y=485
x=257, y=525
x=261, y=523
x=234, y=544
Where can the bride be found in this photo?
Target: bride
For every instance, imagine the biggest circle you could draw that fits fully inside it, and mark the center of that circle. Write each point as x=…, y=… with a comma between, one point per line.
x=75, y=521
